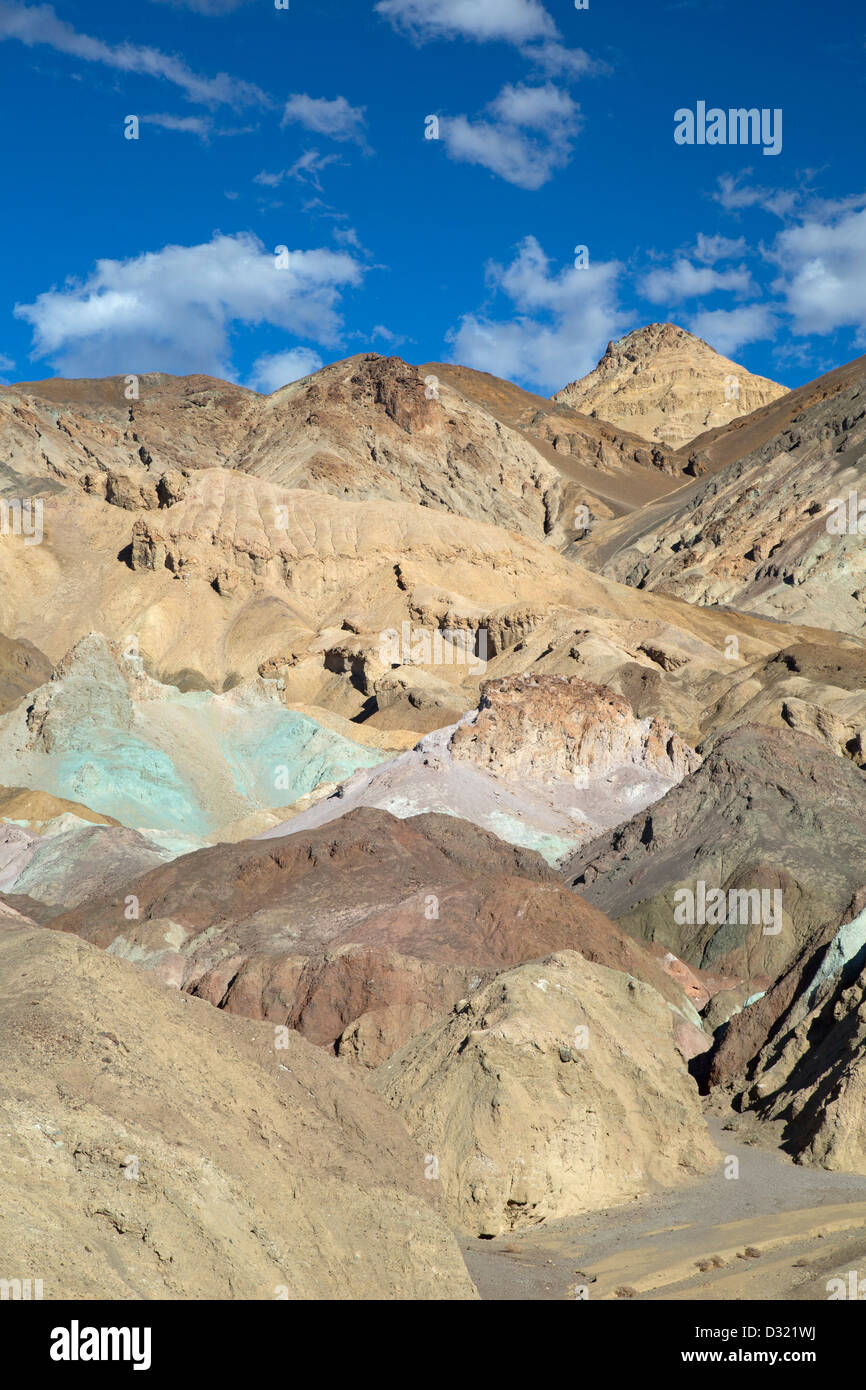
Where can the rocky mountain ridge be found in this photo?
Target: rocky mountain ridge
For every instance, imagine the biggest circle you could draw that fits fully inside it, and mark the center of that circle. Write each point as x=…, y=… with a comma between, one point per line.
x=668, y=385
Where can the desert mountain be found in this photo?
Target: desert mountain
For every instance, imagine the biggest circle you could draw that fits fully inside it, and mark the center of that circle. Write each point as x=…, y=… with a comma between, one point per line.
x=329, y=713
x=714, y=450
x=137, y=1169
x=240, y=578
x=72, y=863
x=366, y=428
x=221, y=575
x=771, y=811
x=776, y=531
x=666, y=385
x=544, y=761
x=620, y=470
x=826, y=964
x=359, y=933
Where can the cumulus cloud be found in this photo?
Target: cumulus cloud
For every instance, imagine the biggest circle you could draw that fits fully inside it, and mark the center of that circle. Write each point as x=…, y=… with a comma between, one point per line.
x=729, y=329
x=39, y=24
x=277, y=369
x=527, y=135
x=393, y=340
x=335, y=118
x=537, y=108
x=823, y=273
x=555, y=60
x=710, y=249
x=684, y=280
x=819, y=258
x=558, y=327
x=735, y=196
x=173, y=310
x=514, y=21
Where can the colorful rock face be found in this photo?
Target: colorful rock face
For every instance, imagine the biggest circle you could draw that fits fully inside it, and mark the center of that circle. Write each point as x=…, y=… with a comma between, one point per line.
x=395, y=784
x=102, y=733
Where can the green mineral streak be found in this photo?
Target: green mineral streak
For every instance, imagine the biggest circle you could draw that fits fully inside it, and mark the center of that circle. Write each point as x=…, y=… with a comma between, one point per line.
x=269, y=757
x=514, y=832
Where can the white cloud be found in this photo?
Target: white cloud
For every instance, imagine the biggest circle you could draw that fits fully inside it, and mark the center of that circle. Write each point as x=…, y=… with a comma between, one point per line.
x=393, y=340
x=6, y=365
x=514, y=21
x=307, y=168
x=524, y=23
x=503, y=144
x=710, y=249
x=544, y=108
x=684, y=280
x=206, y=7
x=173, y=310
x=39, y=24
x=347, y=236
x=556, y=60
x=560, y=324
x=729, y=329
x=190, y=125
x=277, y=369
x=336, y=118
x=734, y=196
x=202, y=126
x=823, y=273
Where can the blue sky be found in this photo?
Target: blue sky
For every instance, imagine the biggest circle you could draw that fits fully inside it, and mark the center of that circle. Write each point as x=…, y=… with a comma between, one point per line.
x=304, y=128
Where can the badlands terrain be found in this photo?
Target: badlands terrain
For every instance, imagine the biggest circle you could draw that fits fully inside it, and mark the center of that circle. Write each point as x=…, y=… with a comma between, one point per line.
x=433, y=833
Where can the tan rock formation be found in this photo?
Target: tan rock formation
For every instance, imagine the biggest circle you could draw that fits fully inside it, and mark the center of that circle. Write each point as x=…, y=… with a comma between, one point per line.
x=22, y=668
x=554, y=1090
x=553, y=727
x=155, y=1148
x=229, y=575
x=37, y=809
x=777, y=531
x=665, y=384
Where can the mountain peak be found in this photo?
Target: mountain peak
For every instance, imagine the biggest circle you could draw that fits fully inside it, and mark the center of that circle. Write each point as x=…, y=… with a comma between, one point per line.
x=655, y=335
x=668, y=385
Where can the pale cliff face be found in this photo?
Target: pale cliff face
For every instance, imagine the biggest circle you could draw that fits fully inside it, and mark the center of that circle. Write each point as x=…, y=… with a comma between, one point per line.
x=665, y=384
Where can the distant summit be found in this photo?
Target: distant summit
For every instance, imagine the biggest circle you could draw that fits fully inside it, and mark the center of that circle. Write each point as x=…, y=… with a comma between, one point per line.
x=668, y=386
